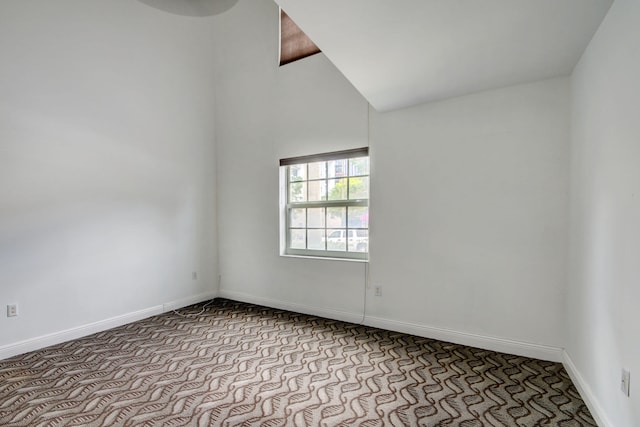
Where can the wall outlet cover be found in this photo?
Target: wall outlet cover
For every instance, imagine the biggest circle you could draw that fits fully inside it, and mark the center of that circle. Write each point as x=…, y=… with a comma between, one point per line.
x=624, y=381
x=12, y=310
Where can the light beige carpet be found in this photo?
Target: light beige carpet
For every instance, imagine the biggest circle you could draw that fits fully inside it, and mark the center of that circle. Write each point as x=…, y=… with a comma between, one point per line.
x=244, y=365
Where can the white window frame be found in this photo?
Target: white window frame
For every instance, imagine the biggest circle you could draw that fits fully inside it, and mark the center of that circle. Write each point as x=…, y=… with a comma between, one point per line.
x=286, y=206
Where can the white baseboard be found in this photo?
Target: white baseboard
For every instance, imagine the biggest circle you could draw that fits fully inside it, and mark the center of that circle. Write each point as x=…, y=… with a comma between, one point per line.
x=587, y=395
x=343, y=316
x=490, y=343
x=99, y=326
x=183, y=302
x=519, y=348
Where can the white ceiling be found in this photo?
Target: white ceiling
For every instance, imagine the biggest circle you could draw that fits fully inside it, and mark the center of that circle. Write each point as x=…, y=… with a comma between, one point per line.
x=399, y=53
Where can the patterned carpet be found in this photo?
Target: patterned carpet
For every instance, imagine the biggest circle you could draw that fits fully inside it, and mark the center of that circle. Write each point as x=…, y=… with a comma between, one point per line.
x=243, y=365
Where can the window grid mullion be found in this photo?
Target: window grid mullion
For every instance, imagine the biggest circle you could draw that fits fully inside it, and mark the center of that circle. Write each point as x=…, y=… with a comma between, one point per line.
x=325, y=228
x=288, y=208
x=348, y=175
x=306, y=210
x=307, y=178
x=329, y=204
x=346, y=209
x=306, y=228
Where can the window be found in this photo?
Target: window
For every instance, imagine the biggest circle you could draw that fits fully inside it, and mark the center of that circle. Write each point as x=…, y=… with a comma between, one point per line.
x=325, y=204
x=294, y=43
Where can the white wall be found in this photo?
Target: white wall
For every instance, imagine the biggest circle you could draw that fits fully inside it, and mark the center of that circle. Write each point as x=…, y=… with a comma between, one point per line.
x=106, y=163
x=469, y=213
x=265, y=113
x=603, y=333
x=469, y=197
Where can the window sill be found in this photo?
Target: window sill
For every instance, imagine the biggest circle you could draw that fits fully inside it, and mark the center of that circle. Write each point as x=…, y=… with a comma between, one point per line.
x=325, y=258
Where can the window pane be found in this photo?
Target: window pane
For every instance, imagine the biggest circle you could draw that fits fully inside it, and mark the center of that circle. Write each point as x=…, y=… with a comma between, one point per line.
x=358, y=240
x=359, y=166
x=298, y=172
x=359, y=188
x=297, y=239
x=358, y=217
x=298, y=218
x=337, y=168
x=317, y=170
x=337, y=189
x=316, y=239
x=298, y=192
x=315, y=217
x=336, y=217
x=317, y=190
x=336, y=240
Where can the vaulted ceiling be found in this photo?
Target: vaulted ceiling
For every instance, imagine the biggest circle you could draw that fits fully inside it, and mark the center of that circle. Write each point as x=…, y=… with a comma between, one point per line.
x=399, y=53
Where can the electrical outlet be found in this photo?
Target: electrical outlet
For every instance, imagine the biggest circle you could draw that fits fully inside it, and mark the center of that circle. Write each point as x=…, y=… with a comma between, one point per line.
x=378, y=291
x=624, y=381
x=12, y=310
x=194, y=275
